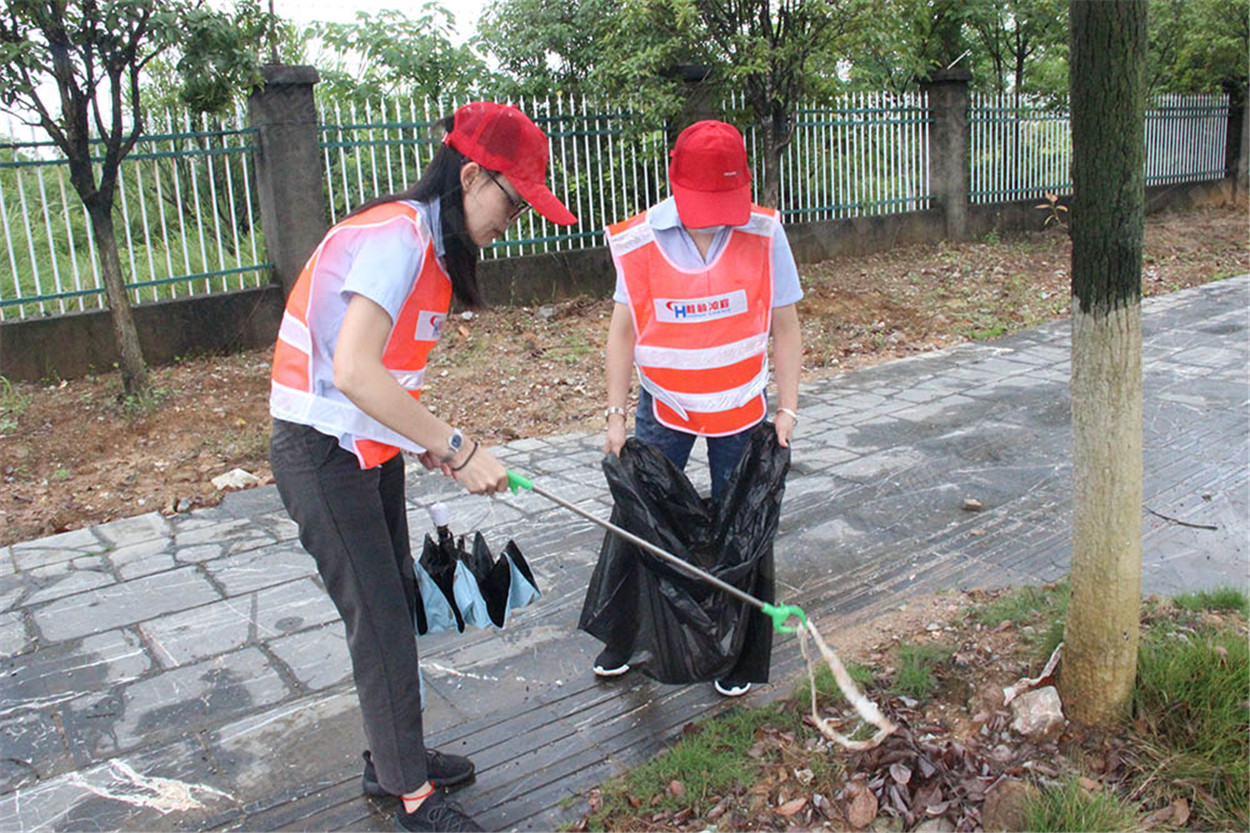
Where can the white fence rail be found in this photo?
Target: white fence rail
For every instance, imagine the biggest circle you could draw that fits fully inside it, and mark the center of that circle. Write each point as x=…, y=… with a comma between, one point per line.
x=186, y=220
x=187, y=211
x=1025, y=151
x=865, y=154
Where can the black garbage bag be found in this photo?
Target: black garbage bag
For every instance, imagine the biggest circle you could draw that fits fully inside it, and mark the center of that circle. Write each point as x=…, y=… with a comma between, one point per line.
x=674, y=627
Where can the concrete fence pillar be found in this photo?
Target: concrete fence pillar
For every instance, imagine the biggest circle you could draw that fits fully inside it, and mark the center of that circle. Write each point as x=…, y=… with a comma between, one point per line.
x=1237, y=146
x=288, y=168
x=947, y=93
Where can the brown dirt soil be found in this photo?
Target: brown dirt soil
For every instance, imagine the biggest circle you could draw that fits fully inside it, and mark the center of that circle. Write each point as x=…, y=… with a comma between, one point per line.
x=74, y=452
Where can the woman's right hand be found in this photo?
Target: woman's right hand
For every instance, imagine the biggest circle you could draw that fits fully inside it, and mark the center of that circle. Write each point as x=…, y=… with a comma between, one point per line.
x=482, y=474
x=615, y=439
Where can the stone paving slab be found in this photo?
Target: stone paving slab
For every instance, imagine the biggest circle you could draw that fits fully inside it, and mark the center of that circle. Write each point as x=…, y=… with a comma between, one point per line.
x=190, y=672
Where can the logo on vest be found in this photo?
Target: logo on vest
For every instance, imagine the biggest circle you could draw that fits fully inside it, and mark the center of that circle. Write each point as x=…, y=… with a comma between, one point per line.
x=696, y=310
x=428, y=325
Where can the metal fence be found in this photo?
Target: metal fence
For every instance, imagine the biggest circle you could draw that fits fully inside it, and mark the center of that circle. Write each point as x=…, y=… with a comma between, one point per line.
x=186, y=212
x=1185, y=138
x=866, y=154
x=185, y=217
x=1021, y=151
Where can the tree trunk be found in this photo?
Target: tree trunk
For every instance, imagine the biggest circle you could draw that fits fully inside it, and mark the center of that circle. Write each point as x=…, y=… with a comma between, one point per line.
x=134, y=369
x=1108, y=39
x=776, y=137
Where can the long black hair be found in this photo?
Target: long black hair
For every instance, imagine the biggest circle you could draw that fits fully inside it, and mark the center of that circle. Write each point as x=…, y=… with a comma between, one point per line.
x=441, y=179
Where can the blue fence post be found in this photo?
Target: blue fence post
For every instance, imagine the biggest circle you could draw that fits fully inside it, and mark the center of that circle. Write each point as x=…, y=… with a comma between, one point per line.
x=288, y=169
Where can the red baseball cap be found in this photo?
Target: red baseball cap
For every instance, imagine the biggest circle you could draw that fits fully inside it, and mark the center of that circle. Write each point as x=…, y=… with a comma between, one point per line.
x=502, y=138
x=709, y=176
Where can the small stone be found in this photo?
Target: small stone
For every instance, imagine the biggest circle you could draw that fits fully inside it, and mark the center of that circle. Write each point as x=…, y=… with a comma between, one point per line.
x=546, y=313
x=235, y=479
x=467, y=315
x=1003, y=809
x=971, y=504
x=1038, y=714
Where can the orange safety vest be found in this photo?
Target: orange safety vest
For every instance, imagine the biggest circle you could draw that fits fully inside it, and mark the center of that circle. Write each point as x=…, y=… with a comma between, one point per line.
x=294, y=388
x=701, y=336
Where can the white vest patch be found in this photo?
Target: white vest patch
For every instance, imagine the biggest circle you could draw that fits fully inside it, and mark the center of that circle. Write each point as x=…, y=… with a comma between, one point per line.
x=696, y=310
x=429, y=324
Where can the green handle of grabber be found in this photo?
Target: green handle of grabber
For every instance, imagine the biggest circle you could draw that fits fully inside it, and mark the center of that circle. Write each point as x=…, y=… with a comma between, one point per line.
x=517, y=482
x=781, y=614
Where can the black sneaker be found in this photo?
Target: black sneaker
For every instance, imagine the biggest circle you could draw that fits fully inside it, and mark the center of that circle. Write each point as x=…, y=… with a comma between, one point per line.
x=436, y=813
x=442, y=770
x=609, y=663
x=731, y=688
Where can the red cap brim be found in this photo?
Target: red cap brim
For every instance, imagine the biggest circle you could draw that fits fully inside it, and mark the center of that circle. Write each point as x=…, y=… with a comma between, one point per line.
x=704, y=209
x=540, y=198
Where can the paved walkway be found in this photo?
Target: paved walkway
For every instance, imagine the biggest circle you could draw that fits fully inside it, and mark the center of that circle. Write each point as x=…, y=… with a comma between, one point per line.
x=190, y=673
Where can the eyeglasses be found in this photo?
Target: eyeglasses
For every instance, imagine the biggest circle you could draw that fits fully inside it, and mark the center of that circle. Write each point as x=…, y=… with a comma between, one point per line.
x=519, y=206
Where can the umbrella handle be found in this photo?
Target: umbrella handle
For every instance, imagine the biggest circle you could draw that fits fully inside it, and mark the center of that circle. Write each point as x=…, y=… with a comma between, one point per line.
x=780, y=614
x=517, y=482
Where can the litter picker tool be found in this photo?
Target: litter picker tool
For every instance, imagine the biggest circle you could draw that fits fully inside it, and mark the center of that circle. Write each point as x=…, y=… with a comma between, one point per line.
x=780, y=615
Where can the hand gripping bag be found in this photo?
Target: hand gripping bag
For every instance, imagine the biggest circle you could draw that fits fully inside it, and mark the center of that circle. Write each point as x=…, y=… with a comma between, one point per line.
x=676, y=628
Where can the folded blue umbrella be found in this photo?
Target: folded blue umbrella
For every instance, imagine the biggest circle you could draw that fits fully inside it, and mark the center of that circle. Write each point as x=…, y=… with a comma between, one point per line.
x=458, y=586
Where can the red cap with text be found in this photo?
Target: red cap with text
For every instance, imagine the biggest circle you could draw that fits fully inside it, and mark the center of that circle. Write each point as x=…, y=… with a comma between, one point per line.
x=710, y=177
x=501, y=138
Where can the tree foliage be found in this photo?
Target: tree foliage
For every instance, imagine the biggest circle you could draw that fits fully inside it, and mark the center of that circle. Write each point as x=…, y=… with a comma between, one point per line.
x=909, y=39
x=545, y=47
x=1198, y=45
x=397, y=53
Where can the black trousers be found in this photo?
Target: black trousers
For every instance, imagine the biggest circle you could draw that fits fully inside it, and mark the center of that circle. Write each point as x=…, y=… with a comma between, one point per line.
x=353, y=521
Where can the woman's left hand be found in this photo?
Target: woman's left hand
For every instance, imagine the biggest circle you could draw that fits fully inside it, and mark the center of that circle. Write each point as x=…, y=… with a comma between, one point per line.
x=432, y=461
x=785, y=428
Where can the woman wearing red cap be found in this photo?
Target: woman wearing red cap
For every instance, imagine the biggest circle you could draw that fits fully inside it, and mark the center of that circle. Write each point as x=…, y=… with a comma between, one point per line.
x=345, y=397
x=702, y=280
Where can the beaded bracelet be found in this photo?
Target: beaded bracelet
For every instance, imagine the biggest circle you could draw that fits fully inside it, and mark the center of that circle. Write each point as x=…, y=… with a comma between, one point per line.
x=467, y=459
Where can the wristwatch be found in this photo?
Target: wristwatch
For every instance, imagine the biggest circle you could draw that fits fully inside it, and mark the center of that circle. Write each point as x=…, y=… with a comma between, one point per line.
x=454, y=443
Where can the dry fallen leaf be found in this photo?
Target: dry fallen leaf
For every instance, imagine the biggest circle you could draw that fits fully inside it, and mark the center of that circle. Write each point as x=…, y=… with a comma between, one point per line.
x=1180, y=811
x=861, y=807
x=792, y=806
x=676, y=789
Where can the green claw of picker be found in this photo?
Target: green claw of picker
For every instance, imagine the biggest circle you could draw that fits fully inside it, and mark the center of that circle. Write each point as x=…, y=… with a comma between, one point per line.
x=517, y=482
x=780, y=615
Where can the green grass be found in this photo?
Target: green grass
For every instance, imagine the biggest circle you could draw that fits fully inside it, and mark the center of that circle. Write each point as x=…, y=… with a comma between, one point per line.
x=573, y=350
x=1191, y=699
x=1071, y=807
x=139, y=406
x=13, y=404
x=914, y=676
x=1042, y=610
x=983, y=333
x=1221, y=598
x=827, y=690
x=711, y=760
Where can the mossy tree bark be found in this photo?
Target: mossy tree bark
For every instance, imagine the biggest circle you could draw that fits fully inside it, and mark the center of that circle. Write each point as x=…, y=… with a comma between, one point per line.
x=1108, y=40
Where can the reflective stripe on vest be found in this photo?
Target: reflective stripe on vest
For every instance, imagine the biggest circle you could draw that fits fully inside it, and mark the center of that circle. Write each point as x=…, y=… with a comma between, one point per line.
x=413, y=334
x=701, y=336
